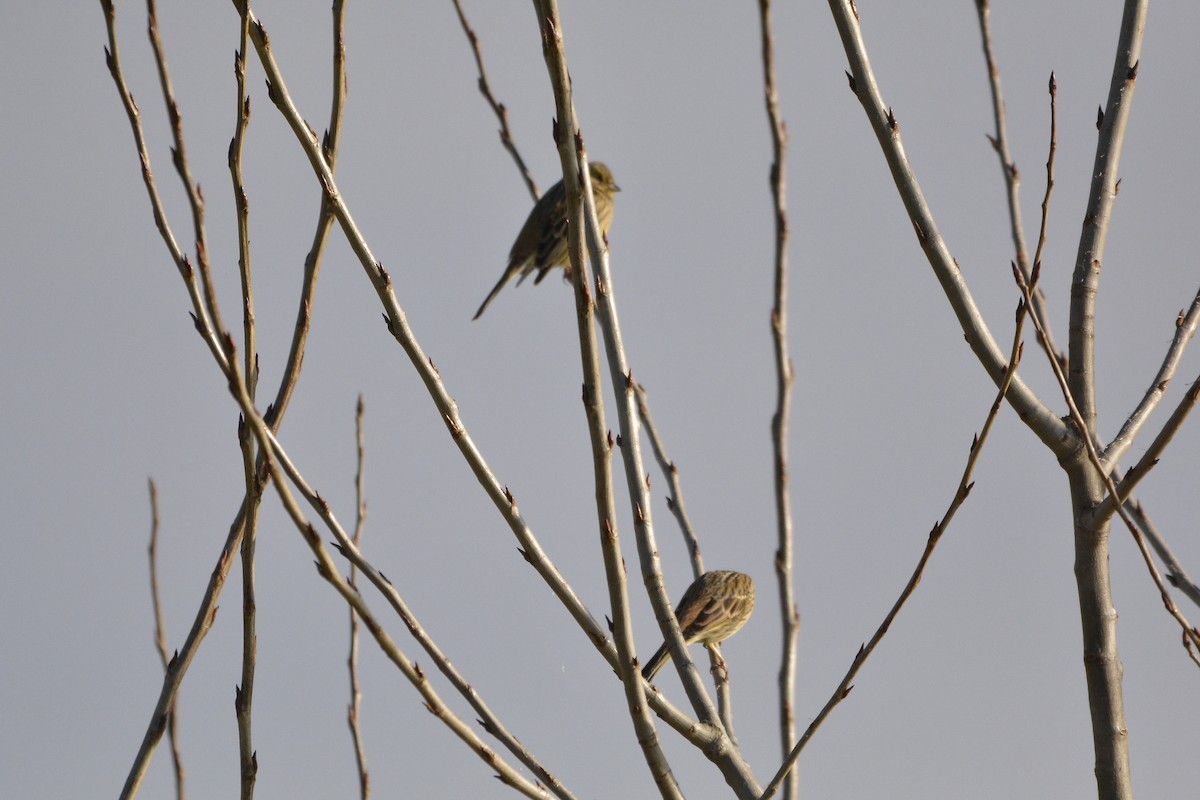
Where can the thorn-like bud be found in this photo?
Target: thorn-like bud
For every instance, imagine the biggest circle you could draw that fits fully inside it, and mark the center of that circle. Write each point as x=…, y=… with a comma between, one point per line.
x=1053, y=85
x=891, y=119
x=995, y=142
x=1179, y=319
x=1131, y=75
x=1117, y=186
x=1099, y=117
x=853, y=85
x=920, y=234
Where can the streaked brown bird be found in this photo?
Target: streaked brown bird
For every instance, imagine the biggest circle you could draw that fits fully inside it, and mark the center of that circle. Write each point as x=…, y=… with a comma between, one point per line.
x=542, y=243
x=714, y=607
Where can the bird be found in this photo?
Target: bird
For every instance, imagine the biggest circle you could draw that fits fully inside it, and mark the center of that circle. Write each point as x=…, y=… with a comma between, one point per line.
x=542, y=243
x=713, y=608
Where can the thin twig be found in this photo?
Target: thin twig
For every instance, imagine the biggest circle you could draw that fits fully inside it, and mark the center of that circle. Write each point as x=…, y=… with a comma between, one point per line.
x=1012, y=177
x=244, y=699
x=1185, y=329
x=965, y=485
x=671, y=473
x=179, y=156
x=360, y=518
x=789, y=614
x=1176, y=575
x=497, y=107
x=1153, y=453
x=160, y=641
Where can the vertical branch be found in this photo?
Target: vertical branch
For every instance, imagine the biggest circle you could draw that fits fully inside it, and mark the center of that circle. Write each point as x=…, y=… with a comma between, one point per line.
x=789, y=615
x=1098, y=615
x=360, y=517
x=244, y=695
x=1085, y=282
x=577, y=182
x=160, y=638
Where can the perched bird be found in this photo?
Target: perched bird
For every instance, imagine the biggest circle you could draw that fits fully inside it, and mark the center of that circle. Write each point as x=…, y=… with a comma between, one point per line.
x=714, y=607
x=542, y=243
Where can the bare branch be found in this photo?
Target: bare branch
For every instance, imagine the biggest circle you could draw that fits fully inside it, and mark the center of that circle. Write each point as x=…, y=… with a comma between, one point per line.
x=789, y=614
x=328, y=570
x=207, y=610
x=1036, y=415
x=671, y=473
x=1012, y=177
x=577, y=181
x=360, y=518
x=244, y=700
x=935, y=535
x=160, y=641
x=1185, y=329
x=1176, y=575
x=497, y=107
x=1189, y=633
x=1085, y=282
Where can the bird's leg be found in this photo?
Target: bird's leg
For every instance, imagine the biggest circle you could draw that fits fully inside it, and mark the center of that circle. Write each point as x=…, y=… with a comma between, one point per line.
x=721, y=667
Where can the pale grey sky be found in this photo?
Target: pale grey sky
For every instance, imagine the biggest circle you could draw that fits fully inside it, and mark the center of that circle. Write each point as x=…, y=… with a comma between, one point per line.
x=977, y=691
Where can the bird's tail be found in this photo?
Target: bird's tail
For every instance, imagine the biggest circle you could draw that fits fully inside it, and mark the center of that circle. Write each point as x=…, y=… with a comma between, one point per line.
x=508, y=273
x=661, y=656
